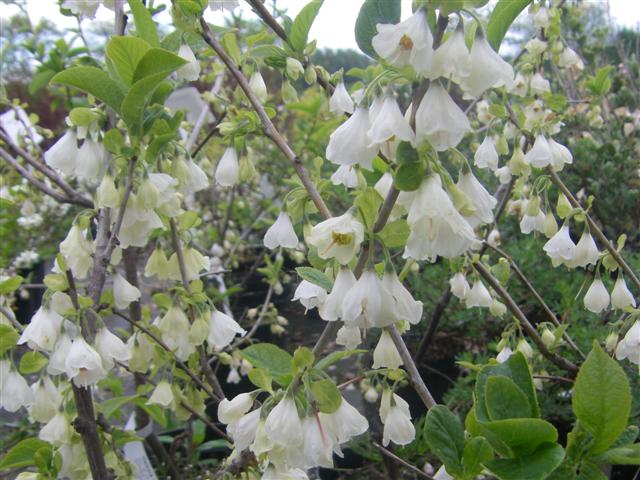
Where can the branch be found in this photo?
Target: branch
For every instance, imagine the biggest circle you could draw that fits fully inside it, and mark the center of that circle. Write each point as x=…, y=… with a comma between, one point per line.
x=397, y=459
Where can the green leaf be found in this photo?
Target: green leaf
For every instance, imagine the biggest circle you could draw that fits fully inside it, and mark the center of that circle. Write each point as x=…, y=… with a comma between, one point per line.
x=155, y=411
x=445, y=436
x=628, y=455
x=602, y=398
x=40, y=80
x=145, y=26
x=136, y=100
x=10, y=285
x=411, y=168
x=476, y=452
x=113, y=141
x=21, y=455
x=157, y=61
x=302, y=358
x=83, y=116
x=8, y=338
x=302, y=24
x=505, y=400
x=503, y=15
x=271, y=358
x=113, y=405
x=600, y=83
x=261, y=378
x=368, y=203
x=335, y=357
x=536, y=466
x=517, y=369
x=395, y=234
x=32, y=362
x=42, y=458
x=93, y=81
x=326, y=395
x=627, y=437
x=518, y=436
x=126, y=53
x=230, y=44
x=371, y=13
x=56, y=282
x=315, y=276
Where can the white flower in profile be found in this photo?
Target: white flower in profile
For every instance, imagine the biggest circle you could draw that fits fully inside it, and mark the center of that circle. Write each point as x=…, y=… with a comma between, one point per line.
x=77, y=250
x=349, y=144
x=406, y=308
x=344, y=423
x=560, y=155
x=349, y=337
x=258, y=87
x=63, y=154
x=439, y=120
x=482, y=201
x=107, y=194
x=520, y=85
x=194, y=263
x=478, y=296
x=123, y=292
x=570, y=59
x=243, y=431
x=504, y=354
x=533, y=223
x=459, y=286
x=345, y=175
x=59, y=355
x=43, y=330
x=281, y=233
x=310, y=295
x=524, y=348
x=190, y=71
x=540, y=154
x=389, y=123
x=228, y=169
x=442, y=474
x=83, y=364
x=539, y=85
x=368, y=303
x=486, y=155
x=137, y=224
x=57, y=431
x=451, y=59
x=81, y=8
x=395, y=415
x=629, y=346
x=14, y=389
x=597, y=297
x=317, y=445
x=91, y=161
x=621, y=297
x=162, y=395
x=337, y=237
x=196, y=179
x=283, y=425
x=174, y=327
x=340, y=101
x=111, y=348
x=157, y=265
x=231, y=411
x=46, y=400
x=408, y=42
x=487, y=70
x=386, y=354
x=586, y=252
x=331, y=308
x=223, y=330
x=560, y=247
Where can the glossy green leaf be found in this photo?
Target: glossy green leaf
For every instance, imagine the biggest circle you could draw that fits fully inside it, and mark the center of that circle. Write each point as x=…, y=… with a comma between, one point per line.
x=271, y=358
x=10, y=285
x=145, y=26
x=326, y=395
x=32, y=362
x=299, y=35
x=536, y=466
x=94, y=81
x=21, y=455
x=445, y=436
x=335, y=357
x=371, y=13
x=125, y=52
x=315, y=276
x=502, y=16
x=518, y=436
x=628, y=455
x=368, y=203
x=477, y=452
x=261, y=378
x=505, y=400
x=157, y=61
x=602, y=398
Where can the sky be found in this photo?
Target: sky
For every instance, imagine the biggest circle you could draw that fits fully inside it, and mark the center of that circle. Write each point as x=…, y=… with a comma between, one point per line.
x=333, y=27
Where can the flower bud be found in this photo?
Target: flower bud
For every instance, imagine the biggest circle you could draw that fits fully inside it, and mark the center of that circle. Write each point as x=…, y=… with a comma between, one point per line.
x=107, y=194
x=310, y=75
x=497, y=308
x=228, y=169
x=259, y=88
x=289, y=94
x=611, y=341
x=524, y=348
x=294, y=68
x=563, y=207
x=550, y=225
x=548, y=338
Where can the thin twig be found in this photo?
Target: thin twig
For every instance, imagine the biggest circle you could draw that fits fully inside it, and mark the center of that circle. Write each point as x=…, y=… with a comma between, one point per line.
x=395, y=458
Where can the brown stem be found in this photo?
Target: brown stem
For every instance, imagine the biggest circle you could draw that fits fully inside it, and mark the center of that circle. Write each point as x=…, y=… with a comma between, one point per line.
x=397, y=459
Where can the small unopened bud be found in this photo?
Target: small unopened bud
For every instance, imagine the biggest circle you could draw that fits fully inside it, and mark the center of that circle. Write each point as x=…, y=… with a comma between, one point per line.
x=525, y=348
x=611, y=342
x=251, y=313
x=548, y=338
x=563, y=206
x=371, y=395
x=289, y=94
x=225, y=358
x=294, y=68
x=497, y=308
x=550, y=227
x=310, y=75
x=277, y=329
x=282, y=320
x=256, y=82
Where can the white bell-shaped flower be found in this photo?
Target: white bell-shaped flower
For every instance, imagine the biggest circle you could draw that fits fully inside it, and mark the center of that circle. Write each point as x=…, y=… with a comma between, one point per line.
x=91, y=161
x=243, y=431
x=560, y=155
x=406, y=308
x=533, y=223
x=123, y=292
x=137, y=224
x=368, y=303
x=621, y=296
x=331, y=308
x=174, y=326
x=59, y=355
x=386, y=354
x=389, y=123
x=258, y=87
x=439, y=120
x=310, y=295
x=111, y=348
x=520, y=85
x=228, y=169
x=395, y=415
x=486, y=155
x=345, y=175
x=157, y=265
x=488, y=69
x=504, y=354
x=482, y=201
x=283, y=425
x=83, y=364
x=338, y=237
x=190, y=71
x=478, y=296
x=586, y=252
x=345, y=423
x=349, y=144
x=57, y=431
x=597, y=297
x=162, y=395
x=349, y=337
x=14, y=389
x=46, y=400
x=223, y=330
x=231, y=411
x=560, y=247
x=60, y=303
x=629, y=346
x=539, y=155
x=107, y=194
x=459, y=286
x=569, y=58
x=524, y=348
x=539, y=85
x=63, y=154
x=43, y=330
x=194, y=263
x=451, y=59
x=281, y=233
x=77, y=250
x=340, y=101
x=317, y=445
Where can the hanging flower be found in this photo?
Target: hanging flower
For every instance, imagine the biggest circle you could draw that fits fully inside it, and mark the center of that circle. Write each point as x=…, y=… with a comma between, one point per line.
x=621, y=297
x=539, y=85
x=157, y=265
x=483, y=202
x=14, y=389
x=560, y=247
x=368, y=303
x=349, y=144
x=231, y=411
x=487, y=70
x=597, y=297
x=310, y=295
x=83, y=364
x=586, y=252
x=349, y=337
x=77, y=251
x=59, y=355
x=345, y=175
x=174, y=326
x=223, y=330
x=406, y=308
x=395, y=415
x=560, y=155
x=486, y=155
x=63, y=154
x=111, y=348
x=439, y=120
x=331, y=308
x=43, y=330
x=123, y=292
x=459, y=286
x=258, y=87
x=318, y=446
x=340, y=101
x=386, y=354
x=162, y=395
x=57, y=431
x=540, y=154
x=338, y=237
x=107, y=194
x=629, y=346
x=283, y=425
x=478, y=296
x=46, y=400
x=191, y=70
x=228, y=169
x=91, y=161
x=504, y=354
x=281, y=233
x=389, y=123
x=345, y=423
x=452, y=58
